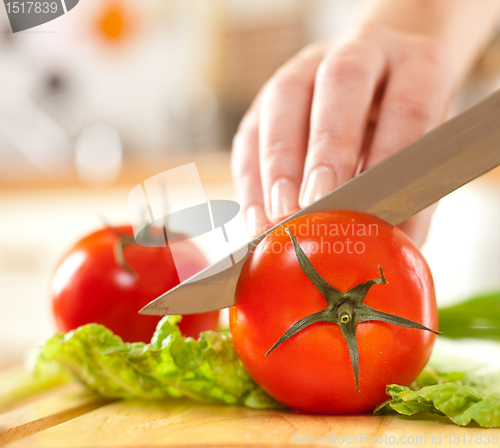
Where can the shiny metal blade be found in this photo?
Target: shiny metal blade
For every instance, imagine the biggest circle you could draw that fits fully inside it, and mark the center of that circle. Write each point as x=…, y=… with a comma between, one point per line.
x=401, y=185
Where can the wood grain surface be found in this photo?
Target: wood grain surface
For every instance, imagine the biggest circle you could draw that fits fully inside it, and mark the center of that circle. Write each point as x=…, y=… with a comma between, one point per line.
x=62, y=403
x=184, y=423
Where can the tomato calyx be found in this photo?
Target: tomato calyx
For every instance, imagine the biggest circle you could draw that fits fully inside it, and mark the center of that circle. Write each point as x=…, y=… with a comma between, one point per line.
x=118, y=248
x=346, y=309
x=125, y=240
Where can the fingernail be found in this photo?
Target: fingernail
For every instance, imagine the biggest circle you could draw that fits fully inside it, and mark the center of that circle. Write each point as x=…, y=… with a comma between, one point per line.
x=256, y=219
x=320, y=182
x=284, y=195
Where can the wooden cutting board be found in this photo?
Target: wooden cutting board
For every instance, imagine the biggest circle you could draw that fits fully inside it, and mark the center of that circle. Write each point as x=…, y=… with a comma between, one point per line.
x=68, y=416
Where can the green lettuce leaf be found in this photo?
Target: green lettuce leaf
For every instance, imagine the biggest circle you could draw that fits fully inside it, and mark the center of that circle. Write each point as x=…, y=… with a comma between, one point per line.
x=460, y=404
x=462, y=396
x=478, y=317
x=207, y=369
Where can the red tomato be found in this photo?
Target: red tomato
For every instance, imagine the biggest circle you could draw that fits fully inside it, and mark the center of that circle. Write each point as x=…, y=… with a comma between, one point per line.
x=90, y=286
x=313, y=370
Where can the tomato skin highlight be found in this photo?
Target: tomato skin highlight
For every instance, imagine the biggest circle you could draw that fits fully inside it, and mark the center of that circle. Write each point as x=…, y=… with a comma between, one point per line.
x=312, y=371
x=89, y=286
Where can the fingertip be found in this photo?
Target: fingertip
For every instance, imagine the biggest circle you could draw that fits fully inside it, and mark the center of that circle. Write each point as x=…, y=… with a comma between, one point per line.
x=320, y=181
x=284, y=199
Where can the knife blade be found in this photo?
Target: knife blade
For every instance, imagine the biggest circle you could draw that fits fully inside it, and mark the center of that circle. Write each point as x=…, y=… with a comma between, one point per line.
x=399, y=186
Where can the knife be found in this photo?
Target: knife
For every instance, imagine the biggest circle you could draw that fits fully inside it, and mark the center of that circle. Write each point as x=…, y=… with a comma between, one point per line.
x=399, y=186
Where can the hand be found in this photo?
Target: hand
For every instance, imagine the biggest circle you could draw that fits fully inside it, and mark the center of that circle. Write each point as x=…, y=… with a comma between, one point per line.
x=332, y=111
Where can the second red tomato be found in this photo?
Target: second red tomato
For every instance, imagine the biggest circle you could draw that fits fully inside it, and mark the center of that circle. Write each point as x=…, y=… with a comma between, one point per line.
x=90, y=285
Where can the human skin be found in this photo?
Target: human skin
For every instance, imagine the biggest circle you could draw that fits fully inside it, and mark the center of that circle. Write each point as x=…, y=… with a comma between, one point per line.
x=339, y=107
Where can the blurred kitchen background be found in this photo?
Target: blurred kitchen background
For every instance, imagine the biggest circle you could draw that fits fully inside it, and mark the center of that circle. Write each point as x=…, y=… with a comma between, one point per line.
x=116, y=82
x=116, y=91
